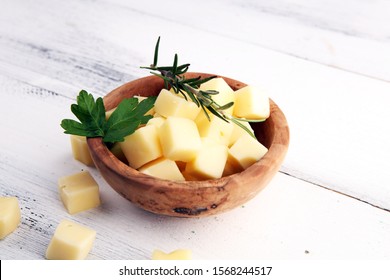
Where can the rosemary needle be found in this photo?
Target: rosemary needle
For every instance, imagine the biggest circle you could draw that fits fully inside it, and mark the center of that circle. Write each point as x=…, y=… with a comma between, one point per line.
x=174, y=78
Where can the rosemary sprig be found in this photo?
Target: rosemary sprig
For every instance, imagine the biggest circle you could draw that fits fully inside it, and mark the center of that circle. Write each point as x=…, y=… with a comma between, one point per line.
x=174, y=77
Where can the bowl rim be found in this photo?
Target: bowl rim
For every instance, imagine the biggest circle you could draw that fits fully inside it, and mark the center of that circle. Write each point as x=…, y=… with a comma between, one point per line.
x=276, y=150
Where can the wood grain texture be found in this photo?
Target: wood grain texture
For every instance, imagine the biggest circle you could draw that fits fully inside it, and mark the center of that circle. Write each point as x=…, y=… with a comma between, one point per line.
x=94, y=49
x=50, y=50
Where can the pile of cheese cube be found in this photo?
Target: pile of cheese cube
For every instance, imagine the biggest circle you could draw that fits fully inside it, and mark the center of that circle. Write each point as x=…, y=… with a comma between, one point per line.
x=181, y=143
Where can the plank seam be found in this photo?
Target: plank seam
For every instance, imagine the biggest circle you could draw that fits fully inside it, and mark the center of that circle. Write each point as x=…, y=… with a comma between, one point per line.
x=339, y=192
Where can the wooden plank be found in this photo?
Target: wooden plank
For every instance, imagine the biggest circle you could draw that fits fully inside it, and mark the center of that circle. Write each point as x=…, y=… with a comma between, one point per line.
x=353, y=35
x=49, y=50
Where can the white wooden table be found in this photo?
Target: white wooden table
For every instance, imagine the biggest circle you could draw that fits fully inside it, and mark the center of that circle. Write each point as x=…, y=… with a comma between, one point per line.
x=325, y=63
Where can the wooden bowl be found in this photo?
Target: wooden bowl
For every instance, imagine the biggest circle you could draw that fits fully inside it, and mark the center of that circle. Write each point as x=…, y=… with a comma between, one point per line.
x=191, y=198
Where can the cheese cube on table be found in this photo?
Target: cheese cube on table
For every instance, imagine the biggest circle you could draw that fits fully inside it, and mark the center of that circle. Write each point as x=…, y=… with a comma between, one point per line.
x=225, y=92
x=170, y=104
x=80, y=149
x=180, y=139
x=209, y=163
x=251, y=103
x=9, y=215
x=142, y=146
x=71, y=241
x=214, y=128
x=164, y=169
x=179, y=254
x=246, y=151
x=79, y=192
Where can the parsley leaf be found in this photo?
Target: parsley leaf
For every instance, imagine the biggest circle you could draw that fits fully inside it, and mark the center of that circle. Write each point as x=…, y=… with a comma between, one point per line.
x=126, y=118
x=123, y=121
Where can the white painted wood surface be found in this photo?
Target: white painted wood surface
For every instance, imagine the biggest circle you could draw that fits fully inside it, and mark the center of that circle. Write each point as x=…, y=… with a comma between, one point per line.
x=326, y=63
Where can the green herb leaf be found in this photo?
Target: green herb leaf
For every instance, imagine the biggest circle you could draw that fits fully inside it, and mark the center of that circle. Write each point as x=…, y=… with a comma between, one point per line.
x=123, y=121
x=91, y=115
x=156, y=52
x=174, y=77
x=126, y=118
x=76, y=128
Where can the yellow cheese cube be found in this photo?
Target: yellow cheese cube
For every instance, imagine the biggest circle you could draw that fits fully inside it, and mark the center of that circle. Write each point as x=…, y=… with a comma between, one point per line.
x=225, y=95
x=238, y=131
x=180, y=139
x=251, y=103
x=157, y=121
x=80, y=149
x=9, y=215
x=79, y=192
x=183, y=95
x=164, y=169
x=179, y=254
x=246, y=151
x=142, y=146
x=209, y=163
x=170, y=104
x=214, y=128
x=71, y=241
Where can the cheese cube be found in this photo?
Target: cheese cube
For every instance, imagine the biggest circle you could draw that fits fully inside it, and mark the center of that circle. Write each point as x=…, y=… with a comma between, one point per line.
x=179, y=254
x=80, y=149
x=79, y=192
x=209, y=162
x=251, y=103
x=225, y=93
x=164, y=169
x=246, y=151
x=170, y=104
x=214, y=128
x=238, y=131
x=9, y=215
x=71, y=241
x=180, y=139
x=157, y=121
x=142, y=146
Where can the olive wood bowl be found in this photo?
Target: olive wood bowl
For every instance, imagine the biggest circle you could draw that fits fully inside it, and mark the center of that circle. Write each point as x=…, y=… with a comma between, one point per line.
x=191, y=198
